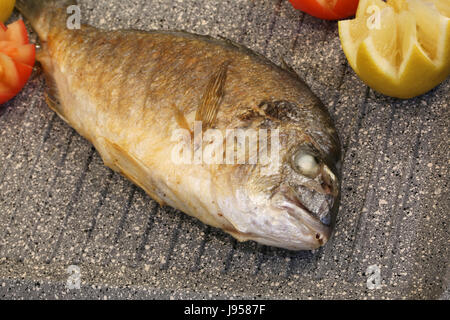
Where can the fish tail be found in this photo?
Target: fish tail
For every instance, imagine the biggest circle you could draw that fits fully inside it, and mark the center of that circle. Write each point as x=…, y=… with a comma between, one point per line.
x=43, y=14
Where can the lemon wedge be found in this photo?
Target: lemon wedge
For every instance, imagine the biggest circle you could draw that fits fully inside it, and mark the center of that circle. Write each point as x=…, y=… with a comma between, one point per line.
x=6, y=8
x=400, y=48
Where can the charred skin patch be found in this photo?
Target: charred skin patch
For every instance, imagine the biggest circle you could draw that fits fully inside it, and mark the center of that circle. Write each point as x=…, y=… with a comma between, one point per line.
x=281, y=110
x=288, y=111
x=257, y=118
x=249, y=115
x=269, y=112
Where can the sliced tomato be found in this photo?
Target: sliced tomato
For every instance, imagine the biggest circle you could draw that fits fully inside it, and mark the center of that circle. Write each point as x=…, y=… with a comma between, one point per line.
x=6, y=93
x=3, y=35
x=24, y=72
x=17, y=58
x=24, y=53
x=14, y=75
x=8, y=72
x=15, y=31
x=327, y=9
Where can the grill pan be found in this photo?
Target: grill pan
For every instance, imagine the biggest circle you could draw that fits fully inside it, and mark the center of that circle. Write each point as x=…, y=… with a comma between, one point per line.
x=60, y=206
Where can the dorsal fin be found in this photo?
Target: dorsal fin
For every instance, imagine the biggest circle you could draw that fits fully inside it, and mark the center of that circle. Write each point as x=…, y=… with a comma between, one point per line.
x=210, y=103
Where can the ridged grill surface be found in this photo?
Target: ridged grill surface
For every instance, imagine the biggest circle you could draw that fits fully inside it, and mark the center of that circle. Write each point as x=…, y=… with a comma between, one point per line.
x=60, y=206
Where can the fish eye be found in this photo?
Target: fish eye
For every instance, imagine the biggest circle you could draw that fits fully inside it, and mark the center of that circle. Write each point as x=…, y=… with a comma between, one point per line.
x=306, y=164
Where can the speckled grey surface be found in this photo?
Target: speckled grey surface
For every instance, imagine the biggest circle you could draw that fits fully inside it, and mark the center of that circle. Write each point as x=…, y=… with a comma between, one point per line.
x=60, y=206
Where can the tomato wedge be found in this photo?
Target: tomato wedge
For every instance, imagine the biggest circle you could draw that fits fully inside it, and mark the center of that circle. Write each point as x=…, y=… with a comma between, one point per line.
x=327, y=9
x=17, y=58
x=20, y=53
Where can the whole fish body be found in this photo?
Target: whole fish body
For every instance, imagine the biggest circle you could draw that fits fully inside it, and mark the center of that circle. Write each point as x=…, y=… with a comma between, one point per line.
x=128, y=91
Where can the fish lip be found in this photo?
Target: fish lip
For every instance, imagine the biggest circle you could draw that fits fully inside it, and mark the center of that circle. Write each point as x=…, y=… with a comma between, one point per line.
x=291, y=203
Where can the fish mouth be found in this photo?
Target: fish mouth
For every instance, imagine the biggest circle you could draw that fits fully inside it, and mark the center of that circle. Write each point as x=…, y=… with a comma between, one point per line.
x=317, y=221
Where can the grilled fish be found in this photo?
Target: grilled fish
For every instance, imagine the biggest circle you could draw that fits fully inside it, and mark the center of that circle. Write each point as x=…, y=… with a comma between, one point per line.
x=128, y=91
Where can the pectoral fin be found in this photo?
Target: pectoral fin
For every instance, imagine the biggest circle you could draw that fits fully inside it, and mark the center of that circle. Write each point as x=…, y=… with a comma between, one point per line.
x=180, y=118
x=210, y=103
x=118, y=159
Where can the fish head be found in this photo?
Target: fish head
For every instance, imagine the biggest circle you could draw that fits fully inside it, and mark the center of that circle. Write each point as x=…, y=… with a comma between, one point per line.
x=308, y=194
x=291, y=204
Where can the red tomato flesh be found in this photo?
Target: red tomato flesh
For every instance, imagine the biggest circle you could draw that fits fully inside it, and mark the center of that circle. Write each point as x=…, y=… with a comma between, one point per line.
x=21, y=53
x=17, y=58
x=327, y=9
x=16, y=32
